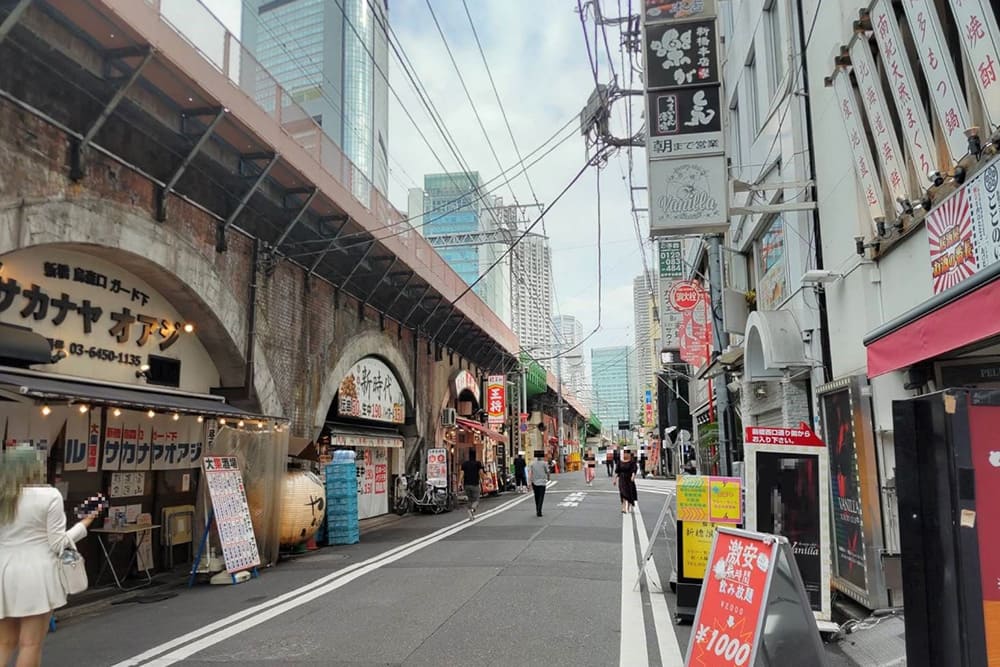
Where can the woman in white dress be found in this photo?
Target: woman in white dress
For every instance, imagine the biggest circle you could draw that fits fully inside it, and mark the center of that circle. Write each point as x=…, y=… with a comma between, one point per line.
x=32, y=536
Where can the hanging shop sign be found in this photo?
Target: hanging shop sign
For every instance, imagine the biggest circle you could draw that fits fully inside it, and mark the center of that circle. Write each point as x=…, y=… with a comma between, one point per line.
x=134, y=441
x=977, y=26
x=105, y=319
x=942, y=83
x=358, y=440
x=465, y=381
x=695, y=333
x=685, y=121
x=496, y=400
x=371, y=391
x=879, y=120
x=903, y=88
x=687, y=196
x=671, y=10
x=752, y=586
x=864, y=167
x=964, y=230
x=789, y=495
x=854, y=491
x=680, y=54
x=671, y=255
x=648, y=419
x=670, y=318
x=685, y=295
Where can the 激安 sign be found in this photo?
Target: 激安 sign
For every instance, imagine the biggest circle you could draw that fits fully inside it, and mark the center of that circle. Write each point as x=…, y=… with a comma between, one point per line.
x=685, y=295
x=496, y=399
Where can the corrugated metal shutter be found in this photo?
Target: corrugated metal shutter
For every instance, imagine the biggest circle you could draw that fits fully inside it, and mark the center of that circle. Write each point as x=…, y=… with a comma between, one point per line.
x=769, y=418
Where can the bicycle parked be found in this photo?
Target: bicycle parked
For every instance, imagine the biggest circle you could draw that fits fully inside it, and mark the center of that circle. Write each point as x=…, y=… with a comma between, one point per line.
x=433, y=498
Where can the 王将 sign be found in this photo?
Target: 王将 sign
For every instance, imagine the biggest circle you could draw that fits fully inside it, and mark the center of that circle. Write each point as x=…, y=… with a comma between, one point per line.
x=232, y=514
x=496, y=399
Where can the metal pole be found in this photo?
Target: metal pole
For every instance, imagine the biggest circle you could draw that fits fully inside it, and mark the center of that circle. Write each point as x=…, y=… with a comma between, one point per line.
x=559, y=415
x=720, y=340
x=524, y=407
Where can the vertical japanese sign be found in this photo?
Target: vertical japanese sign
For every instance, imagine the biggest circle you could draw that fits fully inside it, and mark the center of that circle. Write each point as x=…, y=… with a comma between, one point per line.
x=437, y=466
x=909, y=107
x=864, y=168
x=942, y=84
x=695, y=331
x=671, y=255
x=886, y=146
x=977, y=27
x=496, y=399
x=686, y=165
x=648, y=408
x=232, y=514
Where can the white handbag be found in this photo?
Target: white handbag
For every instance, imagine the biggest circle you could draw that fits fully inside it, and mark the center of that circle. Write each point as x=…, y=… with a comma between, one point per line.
x=72, y=571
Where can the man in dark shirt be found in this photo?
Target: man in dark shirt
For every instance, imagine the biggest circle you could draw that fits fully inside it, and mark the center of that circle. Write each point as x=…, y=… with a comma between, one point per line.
x=520, y=476
x=471, y=471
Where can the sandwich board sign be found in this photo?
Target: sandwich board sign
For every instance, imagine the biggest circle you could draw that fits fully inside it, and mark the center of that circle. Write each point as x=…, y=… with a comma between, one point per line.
x=753, y=608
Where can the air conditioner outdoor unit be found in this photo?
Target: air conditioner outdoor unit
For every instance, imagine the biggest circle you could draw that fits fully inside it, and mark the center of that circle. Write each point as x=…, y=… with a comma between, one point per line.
x=448, y=417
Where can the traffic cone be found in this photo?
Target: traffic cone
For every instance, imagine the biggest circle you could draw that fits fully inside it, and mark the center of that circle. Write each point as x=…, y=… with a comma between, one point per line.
x=311, y=544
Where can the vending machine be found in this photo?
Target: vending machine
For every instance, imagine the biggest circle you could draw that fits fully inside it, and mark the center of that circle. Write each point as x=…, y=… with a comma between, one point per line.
x=948, y=485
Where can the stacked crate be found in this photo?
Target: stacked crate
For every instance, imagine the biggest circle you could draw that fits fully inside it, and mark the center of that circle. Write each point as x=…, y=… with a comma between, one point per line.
x=342, y=501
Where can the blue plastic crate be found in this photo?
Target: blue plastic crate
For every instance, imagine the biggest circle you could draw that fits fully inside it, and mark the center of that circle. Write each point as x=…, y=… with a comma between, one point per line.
x=343, y=501
x=347, y=539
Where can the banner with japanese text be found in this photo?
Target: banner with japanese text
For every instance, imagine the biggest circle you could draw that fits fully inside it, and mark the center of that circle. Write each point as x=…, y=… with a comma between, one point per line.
x=496, y=400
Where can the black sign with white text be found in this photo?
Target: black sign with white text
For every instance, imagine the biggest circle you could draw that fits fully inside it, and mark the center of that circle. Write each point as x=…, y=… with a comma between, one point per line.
x=681, y=54
x=684, y=111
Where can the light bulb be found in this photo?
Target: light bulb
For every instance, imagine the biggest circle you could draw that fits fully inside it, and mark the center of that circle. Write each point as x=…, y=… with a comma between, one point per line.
x=200, y=419
x=240, y=423
x=222, y=421
x=151, y=414
x=144, y=368
x=188, y=328
x=83, y=409
x=260, y=424
x=46, y=410
x=176, y=416
x=116, y=412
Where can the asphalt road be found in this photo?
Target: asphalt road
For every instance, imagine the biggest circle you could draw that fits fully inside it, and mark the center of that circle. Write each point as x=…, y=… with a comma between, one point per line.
x=509, y=588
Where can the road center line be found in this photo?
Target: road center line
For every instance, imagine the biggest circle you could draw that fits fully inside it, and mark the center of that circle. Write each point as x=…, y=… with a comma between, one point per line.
x=262, y=612
x=670, y=650
x=633, y=651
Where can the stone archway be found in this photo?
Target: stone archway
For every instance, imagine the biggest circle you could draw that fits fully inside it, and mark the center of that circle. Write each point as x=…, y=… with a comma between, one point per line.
x=162, y=256
x=372, y=343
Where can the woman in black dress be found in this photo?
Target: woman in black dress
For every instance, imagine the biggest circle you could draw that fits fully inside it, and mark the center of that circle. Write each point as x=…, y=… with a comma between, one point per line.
x=625, y=479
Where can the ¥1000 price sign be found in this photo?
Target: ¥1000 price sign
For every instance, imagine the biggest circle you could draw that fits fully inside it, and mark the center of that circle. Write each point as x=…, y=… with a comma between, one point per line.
x=232, y=514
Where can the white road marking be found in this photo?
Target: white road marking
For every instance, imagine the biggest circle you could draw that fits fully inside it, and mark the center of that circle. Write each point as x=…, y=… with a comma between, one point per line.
x=195, y=641
x=633, y=651
x=670, y=650
x=574, y=499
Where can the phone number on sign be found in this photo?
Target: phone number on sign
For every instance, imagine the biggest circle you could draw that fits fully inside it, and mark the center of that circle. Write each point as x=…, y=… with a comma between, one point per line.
x=104, y=354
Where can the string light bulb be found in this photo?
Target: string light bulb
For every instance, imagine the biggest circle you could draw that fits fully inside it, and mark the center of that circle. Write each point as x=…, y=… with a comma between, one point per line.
x=83, y=409
x=151, y=414
x=116, y=412
x=240, y=423
x=260, y=424
x=46, y=411
x=176, y=416
x=200, y=419
x=222, y=421
x=188, y=328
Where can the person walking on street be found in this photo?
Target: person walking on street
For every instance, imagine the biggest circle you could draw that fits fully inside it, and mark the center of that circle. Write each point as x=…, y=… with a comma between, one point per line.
x=625, y=479
x=539, y=479
x=472, y=471
x=589, y=466
x=642, y=462
x=609, y=461
x=520, y=473
x=32, y=538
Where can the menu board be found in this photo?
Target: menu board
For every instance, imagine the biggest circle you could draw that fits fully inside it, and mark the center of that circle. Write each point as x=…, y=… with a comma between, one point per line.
x=437, y=465
x=232, y=514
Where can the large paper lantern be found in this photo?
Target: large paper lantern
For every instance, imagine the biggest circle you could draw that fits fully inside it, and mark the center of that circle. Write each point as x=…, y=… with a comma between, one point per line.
x=303, y=507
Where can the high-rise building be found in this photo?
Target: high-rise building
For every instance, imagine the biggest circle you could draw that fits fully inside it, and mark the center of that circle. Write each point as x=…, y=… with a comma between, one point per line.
x=645, y=358
x=332, y=59
x=531, y=271
x=571, y=365
x=449, y=207
x=611, y=370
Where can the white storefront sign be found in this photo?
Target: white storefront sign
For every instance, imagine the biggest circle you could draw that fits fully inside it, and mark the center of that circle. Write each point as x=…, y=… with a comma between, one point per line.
x=371, y=391
x=916, y=129
x=437, y=466
x=942, y=84
x=977, y=27
x=107, y=320
x=373, y=478
x=879, y=120
x=864, y=168
x=687, y=196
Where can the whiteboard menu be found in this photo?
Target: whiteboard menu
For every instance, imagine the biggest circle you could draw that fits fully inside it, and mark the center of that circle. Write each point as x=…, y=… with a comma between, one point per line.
x=232, y=514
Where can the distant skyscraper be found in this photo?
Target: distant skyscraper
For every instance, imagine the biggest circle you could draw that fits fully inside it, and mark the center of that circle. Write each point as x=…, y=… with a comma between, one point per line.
x=643, y=327
x=322, y=56
x=569, y=333
x=611, y=369
x=449, y=207
x=531, y=271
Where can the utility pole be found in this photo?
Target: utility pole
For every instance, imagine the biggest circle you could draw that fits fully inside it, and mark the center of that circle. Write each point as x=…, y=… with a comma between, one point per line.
x=559, y=413
x=720, y=339
x=524, y=410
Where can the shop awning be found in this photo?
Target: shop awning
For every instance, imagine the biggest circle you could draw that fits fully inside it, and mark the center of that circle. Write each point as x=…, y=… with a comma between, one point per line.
x=341, y=436
x=959, y=316
x=61, y=389
x=23, y=346
x=476, y=426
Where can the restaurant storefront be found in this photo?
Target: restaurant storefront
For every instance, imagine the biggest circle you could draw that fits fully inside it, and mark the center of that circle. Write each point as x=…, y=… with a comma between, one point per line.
x=103, y=377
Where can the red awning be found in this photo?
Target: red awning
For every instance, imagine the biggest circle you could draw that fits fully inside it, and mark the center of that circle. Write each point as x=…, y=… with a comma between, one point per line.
x=476, y=426
x=964, y=320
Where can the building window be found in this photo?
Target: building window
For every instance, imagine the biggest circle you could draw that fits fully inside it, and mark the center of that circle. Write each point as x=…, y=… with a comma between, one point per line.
x=775, y=45
x=772, y=281
x=750, y=86
x=735, y=146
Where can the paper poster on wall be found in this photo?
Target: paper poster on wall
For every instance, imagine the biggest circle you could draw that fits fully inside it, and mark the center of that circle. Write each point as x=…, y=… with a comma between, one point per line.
x=75, y=447
x=372, y=471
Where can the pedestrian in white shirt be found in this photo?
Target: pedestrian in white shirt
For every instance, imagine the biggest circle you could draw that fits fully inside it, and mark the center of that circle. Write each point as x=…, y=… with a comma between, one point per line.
x=539, y=478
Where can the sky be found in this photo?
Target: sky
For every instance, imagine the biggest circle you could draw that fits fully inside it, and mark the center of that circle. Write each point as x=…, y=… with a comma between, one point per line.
x=538, y=57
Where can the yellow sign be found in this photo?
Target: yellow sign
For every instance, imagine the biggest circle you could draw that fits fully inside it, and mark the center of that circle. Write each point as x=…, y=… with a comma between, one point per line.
x=696, y=543
x=726, y=500
x=692, y=498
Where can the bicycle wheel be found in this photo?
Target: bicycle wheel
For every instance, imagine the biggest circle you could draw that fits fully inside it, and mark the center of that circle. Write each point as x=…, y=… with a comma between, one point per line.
x=403, y=506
